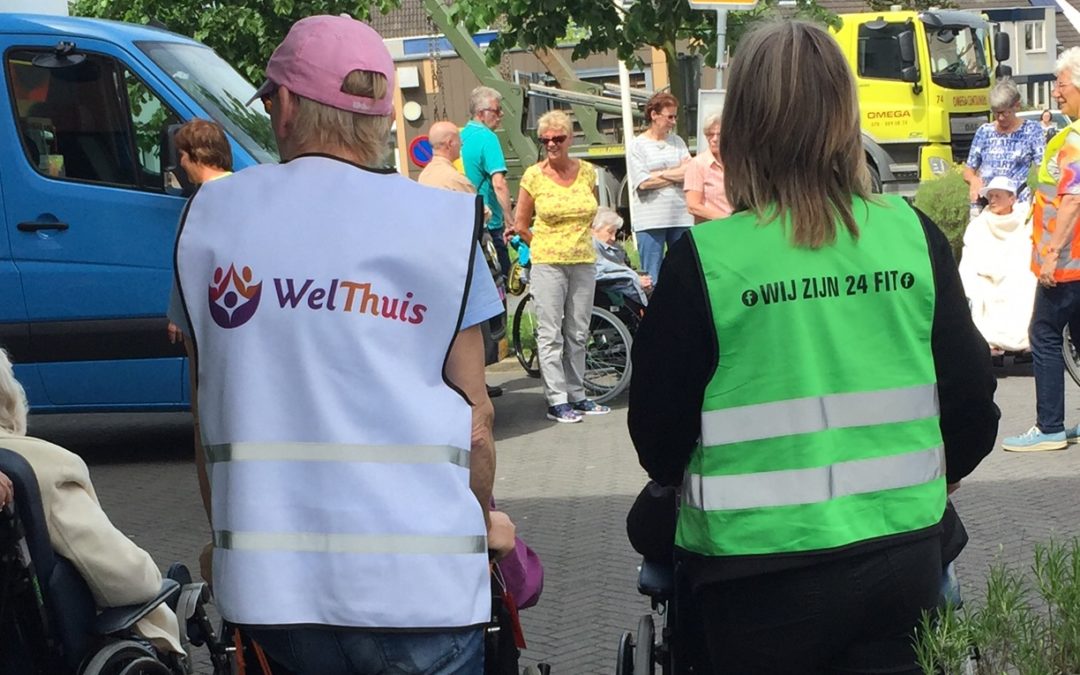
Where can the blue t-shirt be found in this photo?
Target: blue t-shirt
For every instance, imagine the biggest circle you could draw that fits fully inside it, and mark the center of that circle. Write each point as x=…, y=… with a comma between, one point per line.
x=1011, y=155
x=482, y=304
x=482, y=157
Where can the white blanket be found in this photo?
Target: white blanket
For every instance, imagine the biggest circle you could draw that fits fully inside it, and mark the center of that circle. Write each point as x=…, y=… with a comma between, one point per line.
x=995, y=268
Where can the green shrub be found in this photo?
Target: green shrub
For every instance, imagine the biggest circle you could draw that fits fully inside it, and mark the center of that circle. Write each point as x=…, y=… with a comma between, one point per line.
x=1023, y=626
x=945, y=200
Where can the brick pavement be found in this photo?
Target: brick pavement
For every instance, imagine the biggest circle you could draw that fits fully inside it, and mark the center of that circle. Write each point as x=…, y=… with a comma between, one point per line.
x=568, y=488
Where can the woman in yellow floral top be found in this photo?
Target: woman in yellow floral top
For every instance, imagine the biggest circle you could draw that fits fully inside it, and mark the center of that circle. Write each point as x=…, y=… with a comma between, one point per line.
x=561, y=192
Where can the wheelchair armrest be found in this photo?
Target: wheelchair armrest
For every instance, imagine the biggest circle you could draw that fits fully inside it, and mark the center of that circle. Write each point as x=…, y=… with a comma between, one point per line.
x=117, y=619
x=656, y=580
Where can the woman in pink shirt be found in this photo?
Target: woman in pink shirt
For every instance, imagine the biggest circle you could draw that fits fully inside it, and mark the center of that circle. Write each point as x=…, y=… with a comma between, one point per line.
x=704, y=182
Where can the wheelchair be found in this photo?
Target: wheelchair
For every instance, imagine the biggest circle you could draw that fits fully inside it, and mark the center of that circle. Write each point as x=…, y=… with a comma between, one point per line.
x=676, y=646
x=49, y=622
x=614, y=321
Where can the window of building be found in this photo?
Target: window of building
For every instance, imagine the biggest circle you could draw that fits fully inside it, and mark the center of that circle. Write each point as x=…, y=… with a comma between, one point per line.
x=1035, y=36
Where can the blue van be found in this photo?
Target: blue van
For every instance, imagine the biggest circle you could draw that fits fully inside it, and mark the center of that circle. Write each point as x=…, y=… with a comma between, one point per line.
x=88, y=211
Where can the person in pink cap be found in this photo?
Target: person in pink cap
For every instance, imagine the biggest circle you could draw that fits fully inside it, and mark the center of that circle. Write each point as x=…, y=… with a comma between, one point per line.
x=346, y=451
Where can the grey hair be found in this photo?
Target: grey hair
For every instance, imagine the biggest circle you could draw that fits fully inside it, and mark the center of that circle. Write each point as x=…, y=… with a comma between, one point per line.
x=482, y=97
x=713, y=119
x=13, y=405
x=607, y=217
x=1004, y=95
x=1069, y=62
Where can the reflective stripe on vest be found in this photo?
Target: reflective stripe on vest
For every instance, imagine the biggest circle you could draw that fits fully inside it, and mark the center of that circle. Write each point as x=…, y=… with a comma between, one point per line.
x=337, y=452
x=319, y=542
x=811, y=486
x=807, y=415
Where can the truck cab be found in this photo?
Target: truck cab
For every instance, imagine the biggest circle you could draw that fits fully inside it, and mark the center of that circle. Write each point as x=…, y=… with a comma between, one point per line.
x=88, y=211
x=923, y=83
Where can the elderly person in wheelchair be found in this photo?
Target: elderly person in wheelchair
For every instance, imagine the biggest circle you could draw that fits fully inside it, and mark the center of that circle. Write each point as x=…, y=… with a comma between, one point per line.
x=116, y=572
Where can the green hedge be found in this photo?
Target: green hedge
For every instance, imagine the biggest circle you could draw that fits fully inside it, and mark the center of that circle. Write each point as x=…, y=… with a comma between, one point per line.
x=945, y=200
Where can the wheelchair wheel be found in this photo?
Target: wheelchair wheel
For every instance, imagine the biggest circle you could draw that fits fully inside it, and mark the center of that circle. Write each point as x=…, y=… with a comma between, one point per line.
x=1071, y=355
x=125, y=657
x=644, y=661
x=607, y=356
x=524, y=336
x=624, y=663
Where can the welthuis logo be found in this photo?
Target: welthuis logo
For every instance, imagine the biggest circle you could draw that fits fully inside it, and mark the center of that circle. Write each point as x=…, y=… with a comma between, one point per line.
x=233, y=297
x=342, y=295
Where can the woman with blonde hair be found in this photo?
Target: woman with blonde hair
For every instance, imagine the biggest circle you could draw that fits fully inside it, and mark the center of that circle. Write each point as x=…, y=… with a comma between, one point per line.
x=561, y=192
x=818, y=329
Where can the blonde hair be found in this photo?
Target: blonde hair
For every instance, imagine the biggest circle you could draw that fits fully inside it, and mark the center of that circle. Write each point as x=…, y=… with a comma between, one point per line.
x=368, y=136
x=792, y=145
x=13, y=405
x=555, y=119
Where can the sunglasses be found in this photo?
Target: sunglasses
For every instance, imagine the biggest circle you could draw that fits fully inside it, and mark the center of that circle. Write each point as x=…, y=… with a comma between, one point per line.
x=548, y=140
x=268, y=99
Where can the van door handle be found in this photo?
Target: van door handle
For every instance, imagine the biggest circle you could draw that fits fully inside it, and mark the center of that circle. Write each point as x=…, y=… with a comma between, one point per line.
x=35, y=225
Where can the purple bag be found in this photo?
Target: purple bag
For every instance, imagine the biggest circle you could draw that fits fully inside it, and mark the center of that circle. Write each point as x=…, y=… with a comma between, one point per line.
x=523, y=574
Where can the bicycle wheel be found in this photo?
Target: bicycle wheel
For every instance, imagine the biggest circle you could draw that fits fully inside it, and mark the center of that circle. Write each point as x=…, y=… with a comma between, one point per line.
x=607, y=356
x=1072, y=356
x=524, y=336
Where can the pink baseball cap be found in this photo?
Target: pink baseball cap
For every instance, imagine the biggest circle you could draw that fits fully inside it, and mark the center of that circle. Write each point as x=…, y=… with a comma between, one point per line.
x=319, y=52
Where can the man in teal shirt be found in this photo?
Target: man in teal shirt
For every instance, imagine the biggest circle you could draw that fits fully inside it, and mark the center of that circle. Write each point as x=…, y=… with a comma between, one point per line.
x=485, y=165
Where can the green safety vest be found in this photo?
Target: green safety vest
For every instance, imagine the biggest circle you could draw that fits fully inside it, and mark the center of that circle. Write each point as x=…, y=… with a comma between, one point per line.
x=819, y=427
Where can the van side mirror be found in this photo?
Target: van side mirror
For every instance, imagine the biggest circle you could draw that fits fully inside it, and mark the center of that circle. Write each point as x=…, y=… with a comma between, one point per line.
x=1001, y=47
x=1003, y=70
x=174, y=179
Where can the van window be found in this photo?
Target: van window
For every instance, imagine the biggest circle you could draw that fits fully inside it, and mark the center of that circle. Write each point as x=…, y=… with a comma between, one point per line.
x=879, y=51
x=74, y=121
x=149, y=118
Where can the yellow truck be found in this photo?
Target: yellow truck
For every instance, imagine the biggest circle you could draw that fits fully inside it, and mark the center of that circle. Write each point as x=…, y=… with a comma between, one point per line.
x=923, y=80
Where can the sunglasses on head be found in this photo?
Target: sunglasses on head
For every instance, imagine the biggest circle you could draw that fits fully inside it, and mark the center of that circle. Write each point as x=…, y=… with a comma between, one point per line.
x=557, y=140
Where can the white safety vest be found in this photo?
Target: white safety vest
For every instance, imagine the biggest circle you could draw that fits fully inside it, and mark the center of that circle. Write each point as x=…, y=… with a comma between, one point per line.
x=323, y=299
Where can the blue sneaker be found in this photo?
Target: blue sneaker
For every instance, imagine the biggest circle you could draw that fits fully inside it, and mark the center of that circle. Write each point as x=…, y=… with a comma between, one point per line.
x=1034, y=440
x=563, y=413
x=590, y=407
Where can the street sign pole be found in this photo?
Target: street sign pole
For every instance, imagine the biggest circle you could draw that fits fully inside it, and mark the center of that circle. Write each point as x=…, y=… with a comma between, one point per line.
x=710, y=99
x=721, y=7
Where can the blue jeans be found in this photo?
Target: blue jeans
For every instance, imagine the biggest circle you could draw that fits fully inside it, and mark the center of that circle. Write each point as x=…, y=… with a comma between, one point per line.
x=324, y=651
x=650, y=245
x=1054, y=308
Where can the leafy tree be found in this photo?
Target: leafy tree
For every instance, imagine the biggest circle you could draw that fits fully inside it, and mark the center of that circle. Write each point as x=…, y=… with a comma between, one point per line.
x=243, y=33
x=602, y=26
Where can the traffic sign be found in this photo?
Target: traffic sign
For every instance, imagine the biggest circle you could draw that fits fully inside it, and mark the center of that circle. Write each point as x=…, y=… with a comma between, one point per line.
x=420, y=151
